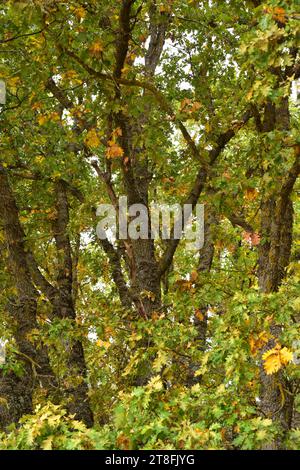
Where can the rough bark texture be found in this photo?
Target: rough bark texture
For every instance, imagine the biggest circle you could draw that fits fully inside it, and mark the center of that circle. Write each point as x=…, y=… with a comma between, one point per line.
x=205, y=263
x=63, y=304
x=16, y=396
x=16, y=391
x=276, y=401
x=274, y=254
x=144, y=271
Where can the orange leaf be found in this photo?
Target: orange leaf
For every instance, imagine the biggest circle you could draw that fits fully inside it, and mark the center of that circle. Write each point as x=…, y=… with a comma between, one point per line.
x=255, y=239
x=257, y=342
x=194, y=276
x=96, y=49
x=114, y=151
x=199, y=315
x=279, y=15
x=252, y=238
x=251, y=194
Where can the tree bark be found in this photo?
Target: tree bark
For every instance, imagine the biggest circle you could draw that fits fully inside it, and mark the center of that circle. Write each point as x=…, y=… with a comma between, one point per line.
x=16, y=391
x=205, y=263
x=63, y=305
x=274, y=255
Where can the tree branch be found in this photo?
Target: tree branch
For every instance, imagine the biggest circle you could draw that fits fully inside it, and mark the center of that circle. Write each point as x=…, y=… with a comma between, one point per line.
x=199, y=184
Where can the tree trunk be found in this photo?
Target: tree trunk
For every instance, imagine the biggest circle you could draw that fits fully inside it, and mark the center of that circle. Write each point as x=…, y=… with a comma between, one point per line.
x=76, y=379
x=274, y=255
x=16, y=391
x=205, y=262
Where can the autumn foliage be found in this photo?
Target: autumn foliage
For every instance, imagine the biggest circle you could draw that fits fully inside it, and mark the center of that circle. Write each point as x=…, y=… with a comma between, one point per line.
x=143, y=344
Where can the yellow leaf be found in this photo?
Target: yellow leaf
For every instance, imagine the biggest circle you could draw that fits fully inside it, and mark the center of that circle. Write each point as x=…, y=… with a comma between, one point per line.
x=37, y=41
x=13, y=82
x=80, y=13
x=103, y=344
x=133, y=361
x=69, y=74
x=54, y=116
x=243, y=48
x=96, y=48
x=160, y=360
x=155, y=383
x=39, y=159
x=92, y=140
x=208, y=127
x=203, y=367
x=249, y=95
x=164, y=8
x=272, y=362
x=252, y=345
x=261, y=434
x=257, y=342
x=42, y=119
x=47, y=443
x=117, y=132
x=275, y=358
x=286, y=356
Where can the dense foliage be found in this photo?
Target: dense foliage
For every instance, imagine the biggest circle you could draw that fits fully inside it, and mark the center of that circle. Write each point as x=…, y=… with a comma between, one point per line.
x=143, y=344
